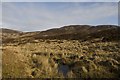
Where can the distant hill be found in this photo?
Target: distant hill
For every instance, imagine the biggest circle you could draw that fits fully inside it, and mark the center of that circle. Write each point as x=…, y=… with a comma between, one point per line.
x=8, y=35
x=4, y=30
x=80, y=32
x=74, y=32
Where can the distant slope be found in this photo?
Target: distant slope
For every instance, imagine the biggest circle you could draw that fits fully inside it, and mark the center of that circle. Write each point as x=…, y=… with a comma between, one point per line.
x=4, y=30
x=112, y=33
x=8, y=35
x=76, y=32
x=80, y=32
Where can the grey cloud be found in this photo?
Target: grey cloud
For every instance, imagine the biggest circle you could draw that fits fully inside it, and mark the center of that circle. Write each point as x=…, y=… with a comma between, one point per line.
x=34, y=18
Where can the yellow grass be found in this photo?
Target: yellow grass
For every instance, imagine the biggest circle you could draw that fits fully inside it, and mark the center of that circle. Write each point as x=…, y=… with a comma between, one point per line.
x=42, y=58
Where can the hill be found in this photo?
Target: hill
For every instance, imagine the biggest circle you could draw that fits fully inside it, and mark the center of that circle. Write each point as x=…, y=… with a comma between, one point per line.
x=83, y=32
x=71, y=32
x=4, y=30
x=8, y=35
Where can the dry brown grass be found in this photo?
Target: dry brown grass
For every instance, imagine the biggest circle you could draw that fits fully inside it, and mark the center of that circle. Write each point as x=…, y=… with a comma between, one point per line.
x=42, y=58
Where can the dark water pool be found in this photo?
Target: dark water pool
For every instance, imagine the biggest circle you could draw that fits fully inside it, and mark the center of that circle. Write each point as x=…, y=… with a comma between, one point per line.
x=63, y=69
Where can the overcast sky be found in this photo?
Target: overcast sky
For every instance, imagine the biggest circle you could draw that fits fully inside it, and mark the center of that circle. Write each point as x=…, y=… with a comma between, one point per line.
x=59, y=0
x=34, y=16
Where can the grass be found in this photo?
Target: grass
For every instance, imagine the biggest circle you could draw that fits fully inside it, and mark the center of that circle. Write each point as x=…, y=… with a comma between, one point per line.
x=42, y=58
x=12, y=65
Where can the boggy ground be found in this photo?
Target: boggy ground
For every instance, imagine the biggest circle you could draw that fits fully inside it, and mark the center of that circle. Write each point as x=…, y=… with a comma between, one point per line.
x=61, y=58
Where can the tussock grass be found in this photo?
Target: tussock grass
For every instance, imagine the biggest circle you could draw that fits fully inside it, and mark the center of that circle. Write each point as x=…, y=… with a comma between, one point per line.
x=42, y=59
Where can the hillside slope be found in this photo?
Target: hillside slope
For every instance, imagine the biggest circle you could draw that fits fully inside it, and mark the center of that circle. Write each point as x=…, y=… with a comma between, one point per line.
x=72, y=32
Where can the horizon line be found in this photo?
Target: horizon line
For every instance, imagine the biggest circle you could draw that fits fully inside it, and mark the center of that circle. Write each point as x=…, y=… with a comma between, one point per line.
x=60, y=27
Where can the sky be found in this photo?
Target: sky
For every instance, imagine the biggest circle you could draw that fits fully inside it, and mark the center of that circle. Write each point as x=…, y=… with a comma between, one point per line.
x=60, y=0
x=39, y=16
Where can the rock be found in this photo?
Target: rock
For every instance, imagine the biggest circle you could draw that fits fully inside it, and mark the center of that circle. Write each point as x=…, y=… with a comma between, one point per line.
x=84, y=69
x=34, y=56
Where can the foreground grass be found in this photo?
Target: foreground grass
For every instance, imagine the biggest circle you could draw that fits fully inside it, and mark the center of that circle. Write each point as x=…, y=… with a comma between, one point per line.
x=61, y=58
